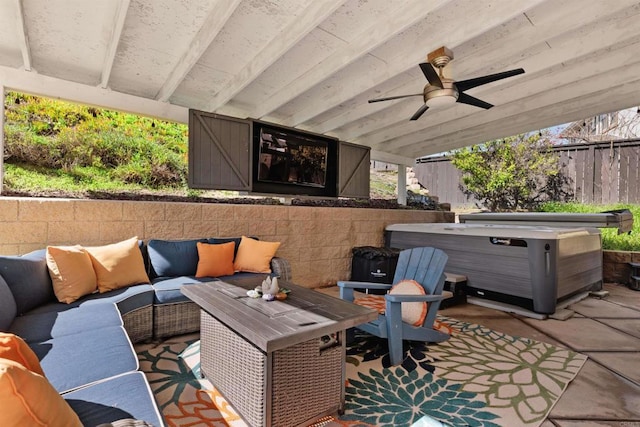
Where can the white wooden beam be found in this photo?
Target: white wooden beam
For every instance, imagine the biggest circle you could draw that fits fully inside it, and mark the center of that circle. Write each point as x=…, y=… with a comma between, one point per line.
x=537, y=119
x=220, y=13
x=546, y=90
x=565, y=51
x=370, y=38
x=2, y=98
x=484, y=19
x=37, y=84
x=542, y=119
x=576, y=59
x=118, y=24
x=316, y=13
x=548, y=24
x=23, y=38
x=382, y=156
x=402, y=185
x=619, y=97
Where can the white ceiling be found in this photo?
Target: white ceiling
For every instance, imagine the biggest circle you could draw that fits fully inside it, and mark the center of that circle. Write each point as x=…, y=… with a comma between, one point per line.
x=313, y=64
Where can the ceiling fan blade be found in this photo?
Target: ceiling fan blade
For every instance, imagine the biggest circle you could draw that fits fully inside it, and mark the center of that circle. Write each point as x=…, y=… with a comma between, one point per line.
x=468, y=99
x=479, y=81
x=420, y=112
x=389, y=98
x=431, y=74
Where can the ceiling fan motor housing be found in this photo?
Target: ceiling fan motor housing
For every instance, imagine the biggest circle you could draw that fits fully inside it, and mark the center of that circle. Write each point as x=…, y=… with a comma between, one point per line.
x=448, y=89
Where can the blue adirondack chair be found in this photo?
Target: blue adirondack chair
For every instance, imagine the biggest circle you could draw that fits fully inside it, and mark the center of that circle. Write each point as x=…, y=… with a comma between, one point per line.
x=425, y=266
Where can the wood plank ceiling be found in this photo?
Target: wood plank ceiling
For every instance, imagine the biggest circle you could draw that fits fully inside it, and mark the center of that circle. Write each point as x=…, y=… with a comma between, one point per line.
x=313, y=64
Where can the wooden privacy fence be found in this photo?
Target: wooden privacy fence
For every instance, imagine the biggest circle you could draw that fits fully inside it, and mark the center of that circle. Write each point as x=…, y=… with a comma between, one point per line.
x=599, y=172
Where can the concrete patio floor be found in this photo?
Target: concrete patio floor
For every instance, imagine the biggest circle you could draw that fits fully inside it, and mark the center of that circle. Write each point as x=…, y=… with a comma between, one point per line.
x=606, y=392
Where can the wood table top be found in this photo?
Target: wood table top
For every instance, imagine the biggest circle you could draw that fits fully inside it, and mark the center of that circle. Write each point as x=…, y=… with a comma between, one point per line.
x=274, y=325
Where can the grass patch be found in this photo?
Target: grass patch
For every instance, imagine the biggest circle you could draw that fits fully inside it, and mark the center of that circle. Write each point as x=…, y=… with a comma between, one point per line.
x=383, y=184
x=611, y=240
x=23, y=177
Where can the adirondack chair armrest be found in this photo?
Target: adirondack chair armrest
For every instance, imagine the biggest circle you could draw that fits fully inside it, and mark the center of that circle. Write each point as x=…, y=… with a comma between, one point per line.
x=413, y=298
x=347, y=287
x=366, y=285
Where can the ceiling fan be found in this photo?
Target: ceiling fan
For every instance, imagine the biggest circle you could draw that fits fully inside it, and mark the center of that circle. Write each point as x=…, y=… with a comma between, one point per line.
x=441, y=91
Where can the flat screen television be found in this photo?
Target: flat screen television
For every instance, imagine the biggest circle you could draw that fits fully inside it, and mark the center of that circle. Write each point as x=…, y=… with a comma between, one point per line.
x=289, y=161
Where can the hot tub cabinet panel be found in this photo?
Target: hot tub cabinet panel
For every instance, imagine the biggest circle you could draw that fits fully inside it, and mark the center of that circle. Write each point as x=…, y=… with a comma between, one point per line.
x=531, y=267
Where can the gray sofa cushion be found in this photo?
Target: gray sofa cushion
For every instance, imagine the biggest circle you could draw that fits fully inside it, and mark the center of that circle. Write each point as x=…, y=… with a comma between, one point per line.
x=71, y=361
x=28, y=278
x=173, y=258
x=43, y=326
x=127, y=299
x=8, y=309
x=167, y=289
x=125, y=396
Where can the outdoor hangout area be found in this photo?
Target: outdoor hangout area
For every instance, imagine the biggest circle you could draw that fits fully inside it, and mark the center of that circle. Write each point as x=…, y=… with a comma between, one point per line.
x=476, y=365
x=319, y=213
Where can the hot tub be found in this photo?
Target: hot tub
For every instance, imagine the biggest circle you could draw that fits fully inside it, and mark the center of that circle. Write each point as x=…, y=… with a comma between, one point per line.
x=532, y=267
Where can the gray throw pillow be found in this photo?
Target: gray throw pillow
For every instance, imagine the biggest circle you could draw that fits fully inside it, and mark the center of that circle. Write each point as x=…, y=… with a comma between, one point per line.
x=28, y=278
x=8, y=309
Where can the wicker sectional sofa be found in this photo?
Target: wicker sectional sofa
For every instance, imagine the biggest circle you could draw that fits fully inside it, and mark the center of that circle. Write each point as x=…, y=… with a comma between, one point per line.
x=85, y=347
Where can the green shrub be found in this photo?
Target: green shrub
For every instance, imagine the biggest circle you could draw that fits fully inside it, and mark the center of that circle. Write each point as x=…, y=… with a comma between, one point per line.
x=610, y=237
x=519, y=172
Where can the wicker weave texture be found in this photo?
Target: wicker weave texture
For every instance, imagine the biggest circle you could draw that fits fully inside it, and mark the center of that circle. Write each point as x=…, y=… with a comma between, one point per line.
x=139, y=323
x=306, y=383
x=175, y=319
x=241, y=378
x=281, y=268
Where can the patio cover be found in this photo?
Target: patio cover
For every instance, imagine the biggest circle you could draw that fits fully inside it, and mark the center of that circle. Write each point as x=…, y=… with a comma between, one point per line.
x=313, y=64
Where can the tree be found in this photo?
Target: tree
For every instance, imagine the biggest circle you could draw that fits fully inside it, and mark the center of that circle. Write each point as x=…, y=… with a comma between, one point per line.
x=617, y=125
x=515, y=173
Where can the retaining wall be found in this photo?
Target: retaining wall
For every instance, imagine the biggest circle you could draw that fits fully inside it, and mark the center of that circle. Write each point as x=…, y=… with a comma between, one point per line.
x=316, y=240
x=615, y=265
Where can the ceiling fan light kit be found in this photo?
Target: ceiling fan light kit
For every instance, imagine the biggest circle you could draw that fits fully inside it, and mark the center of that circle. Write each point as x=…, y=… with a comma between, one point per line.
x=436, y=97
x=441, y=92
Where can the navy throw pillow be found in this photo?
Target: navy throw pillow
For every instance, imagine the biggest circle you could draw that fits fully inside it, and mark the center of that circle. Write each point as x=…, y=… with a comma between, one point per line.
x=173, y=258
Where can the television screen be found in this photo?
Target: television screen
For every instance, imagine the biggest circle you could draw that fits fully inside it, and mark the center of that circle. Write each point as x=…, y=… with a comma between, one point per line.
x=292, y=158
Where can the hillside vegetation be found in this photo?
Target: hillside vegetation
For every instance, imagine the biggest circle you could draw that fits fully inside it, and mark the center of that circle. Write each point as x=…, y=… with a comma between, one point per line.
x=56, y=147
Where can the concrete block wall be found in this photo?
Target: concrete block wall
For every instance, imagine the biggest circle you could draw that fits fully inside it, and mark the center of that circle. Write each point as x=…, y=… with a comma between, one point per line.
x=316, y=240
x=615, y=265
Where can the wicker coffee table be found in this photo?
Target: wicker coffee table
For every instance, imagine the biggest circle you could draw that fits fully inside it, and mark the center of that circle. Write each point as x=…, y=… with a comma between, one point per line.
x=278, y=363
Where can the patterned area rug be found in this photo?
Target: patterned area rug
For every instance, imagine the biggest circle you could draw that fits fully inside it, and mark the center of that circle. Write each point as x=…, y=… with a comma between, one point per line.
x=478, y=377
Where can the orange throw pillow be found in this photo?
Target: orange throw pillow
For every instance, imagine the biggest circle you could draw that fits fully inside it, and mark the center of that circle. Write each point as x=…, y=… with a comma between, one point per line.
x=413, y=313
x=28, y=399
x=255, y=256
x=12, y=347
x=118, y=265
x=215, y=260
x=71, y=272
